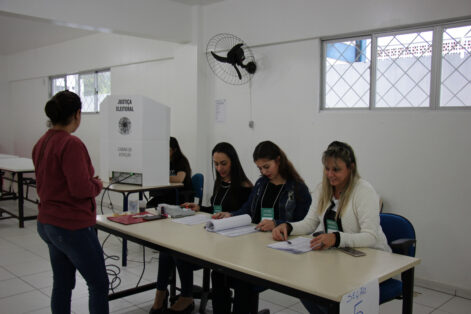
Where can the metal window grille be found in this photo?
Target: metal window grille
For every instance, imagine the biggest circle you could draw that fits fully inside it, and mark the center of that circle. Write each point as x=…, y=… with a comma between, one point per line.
x=92, y=87
x=418, y=68
x=347, y=73
x=403, y=70
x=456, y=67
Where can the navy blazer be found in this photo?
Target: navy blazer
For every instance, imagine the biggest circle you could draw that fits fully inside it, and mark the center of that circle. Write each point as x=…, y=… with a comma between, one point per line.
x=293, y=203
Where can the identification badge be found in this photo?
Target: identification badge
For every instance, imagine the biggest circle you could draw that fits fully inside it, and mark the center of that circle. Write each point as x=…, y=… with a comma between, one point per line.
x=268, y=213
x=332, y=226
x=217, y=208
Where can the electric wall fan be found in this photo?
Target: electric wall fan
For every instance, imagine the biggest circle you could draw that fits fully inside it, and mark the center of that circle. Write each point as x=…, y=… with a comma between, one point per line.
x=230, y=59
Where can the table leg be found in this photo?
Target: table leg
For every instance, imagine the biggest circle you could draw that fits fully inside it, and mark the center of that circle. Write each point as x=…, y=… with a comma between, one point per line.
x=21, y=216
x=124, y=255
x=407, y=291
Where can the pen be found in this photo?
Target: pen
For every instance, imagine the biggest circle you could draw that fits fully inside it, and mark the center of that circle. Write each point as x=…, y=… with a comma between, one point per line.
x=284, y=239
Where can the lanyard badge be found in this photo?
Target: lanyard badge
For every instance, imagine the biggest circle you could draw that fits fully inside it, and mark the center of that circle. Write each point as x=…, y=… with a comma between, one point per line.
x=217, y=209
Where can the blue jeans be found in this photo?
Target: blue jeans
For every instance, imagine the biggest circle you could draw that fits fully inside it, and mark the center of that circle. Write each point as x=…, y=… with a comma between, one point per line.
x=70, y=250
x=185, y=271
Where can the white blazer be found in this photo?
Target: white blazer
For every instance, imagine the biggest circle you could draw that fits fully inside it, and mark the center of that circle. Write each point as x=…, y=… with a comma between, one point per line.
x=360, y=219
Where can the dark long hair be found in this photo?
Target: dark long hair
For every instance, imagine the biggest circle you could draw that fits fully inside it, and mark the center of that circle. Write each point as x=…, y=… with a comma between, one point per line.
x=62, y=107
x=238, y=176
x=178, y=156
x=269, y=150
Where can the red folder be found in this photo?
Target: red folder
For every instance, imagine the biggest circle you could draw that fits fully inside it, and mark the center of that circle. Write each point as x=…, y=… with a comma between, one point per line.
x=128, y=219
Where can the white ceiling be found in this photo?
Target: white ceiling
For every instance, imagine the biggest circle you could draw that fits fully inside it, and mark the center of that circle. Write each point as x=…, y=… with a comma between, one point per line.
x=20, y=33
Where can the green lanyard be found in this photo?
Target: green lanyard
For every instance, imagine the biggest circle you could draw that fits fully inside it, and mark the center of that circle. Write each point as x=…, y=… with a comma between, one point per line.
x=218, y=208
x=269, y=212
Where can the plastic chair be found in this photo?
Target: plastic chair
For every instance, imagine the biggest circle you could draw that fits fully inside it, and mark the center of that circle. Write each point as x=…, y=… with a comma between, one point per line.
x=401, y=238
x=197, y=180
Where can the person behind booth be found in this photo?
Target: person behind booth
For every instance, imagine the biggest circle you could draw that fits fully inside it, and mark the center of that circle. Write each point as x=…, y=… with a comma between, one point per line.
x=345, y=214
x=278, y=196
x=67, y=210
x=180, y=172
x=231, y=190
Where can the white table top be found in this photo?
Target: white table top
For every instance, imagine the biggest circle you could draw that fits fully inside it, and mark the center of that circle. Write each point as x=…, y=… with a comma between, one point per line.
x=118, y=187
x=17, y=164
x=3, y=156
x=329, y=274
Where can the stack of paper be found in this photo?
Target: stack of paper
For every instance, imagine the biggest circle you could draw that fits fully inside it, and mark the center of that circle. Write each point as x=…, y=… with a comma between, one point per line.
x=232, y=226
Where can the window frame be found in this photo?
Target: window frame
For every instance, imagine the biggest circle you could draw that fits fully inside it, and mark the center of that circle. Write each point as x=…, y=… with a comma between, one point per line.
x=435, y=71
x=95, y=73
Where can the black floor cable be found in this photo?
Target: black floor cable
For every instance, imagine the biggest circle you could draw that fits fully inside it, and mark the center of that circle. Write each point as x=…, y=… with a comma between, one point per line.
x=113, y=270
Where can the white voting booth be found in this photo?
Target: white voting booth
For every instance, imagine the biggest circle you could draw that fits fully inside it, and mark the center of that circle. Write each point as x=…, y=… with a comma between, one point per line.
x=134, y=140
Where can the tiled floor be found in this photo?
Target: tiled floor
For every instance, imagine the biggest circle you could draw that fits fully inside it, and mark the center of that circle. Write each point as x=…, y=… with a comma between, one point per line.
x=26, y=280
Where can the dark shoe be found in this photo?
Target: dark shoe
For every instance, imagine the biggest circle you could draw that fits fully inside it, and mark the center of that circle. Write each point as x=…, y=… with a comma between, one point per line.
x=163, y=308
x=186, y=310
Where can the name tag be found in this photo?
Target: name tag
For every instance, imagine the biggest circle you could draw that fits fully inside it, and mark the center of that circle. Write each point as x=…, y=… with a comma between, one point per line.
x=268, y=213
x=217, y=209
x=332, y=226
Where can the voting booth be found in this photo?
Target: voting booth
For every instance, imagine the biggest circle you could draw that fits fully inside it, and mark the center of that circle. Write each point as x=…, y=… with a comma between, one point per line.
x=135, y=138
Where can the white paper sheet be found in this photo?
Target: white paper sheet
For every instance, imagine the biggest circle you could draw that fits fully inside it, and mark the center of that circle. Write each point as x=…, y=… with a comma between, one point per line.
x=296, y=246
x=193, y=220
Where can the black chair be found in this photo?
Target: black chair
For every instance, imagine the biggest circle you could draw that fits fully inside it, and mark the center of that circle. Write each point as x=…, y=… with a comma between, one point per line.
x=401, y=238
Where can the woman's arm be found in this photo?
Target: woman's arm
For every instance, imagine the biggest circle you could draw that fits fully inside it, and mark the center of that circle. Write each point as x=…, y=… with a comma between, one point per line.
x=311, y=220
x=179, y=178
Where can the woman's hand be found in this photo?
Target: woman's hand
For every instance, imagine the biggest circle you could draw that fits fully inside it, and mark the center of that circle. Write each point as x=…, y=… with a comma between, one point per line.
x=280, y=233
x=323, y=241
x=221, y=215
x=194, y=207
x=100, y=182
x=266, y=225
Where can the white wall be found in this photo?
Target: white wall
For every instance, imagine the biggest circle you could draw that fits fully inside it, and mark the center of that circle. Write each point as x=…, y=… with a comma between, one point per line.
x=416, y=159
x=138, y=66
x=6, y=141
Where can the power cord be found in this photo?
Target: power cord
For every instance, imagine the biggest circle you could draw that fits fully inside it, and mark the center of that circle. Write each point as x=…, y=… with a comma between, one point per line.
x=107, y=188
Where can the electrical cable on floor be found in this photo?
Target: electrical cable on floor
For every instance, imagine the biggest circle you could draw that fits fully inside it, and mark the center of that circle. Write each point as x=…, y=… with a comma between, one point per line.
x=113, y=270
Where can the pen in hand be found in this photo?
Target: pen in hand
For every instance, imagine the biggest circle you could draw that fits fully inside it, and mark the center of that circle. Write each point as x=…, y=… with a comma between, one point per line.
x=284, y=238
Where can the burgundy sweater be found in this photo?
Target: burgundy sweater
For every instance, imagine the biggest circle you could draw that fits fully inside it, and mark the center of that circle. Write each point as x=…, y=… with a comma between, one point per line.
x=65, y=183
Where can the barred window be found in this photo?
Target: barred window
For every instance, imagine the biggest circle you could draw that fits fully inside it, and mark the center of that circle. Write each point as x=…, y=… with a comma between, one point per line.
x=422, y=68
x=92, y=87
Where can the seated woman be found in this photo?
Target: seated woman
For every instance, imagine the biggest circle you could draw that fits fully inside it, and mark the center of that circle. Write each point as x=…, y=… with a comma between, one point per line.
x=231, y=190
x=180, y=172
x=346, y=213
x=279, y=196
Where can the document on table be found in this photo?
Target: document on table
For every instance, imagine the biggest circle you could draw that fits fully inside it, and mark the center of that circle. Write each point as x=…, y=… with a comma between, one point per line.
x=297, y=246
x=232, y=226
x=193, y=220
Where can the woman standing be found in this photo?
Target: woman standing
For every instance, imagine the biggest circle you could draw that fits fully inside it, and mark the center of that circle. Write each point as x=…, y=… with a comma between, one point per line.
x=67, y=210
x=279, y=196
x=346, y=213
x=231, y=190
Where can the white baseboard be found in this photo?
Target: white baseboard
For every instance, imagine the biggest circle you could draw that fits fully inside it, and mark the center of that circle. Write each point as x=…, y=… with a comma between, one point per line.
x=438, y=286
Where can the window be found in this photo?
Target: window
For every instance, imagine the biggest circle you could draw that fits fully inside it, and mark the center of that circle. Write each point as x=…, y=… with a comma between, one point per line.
x=422, y=68
x=92, y=87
